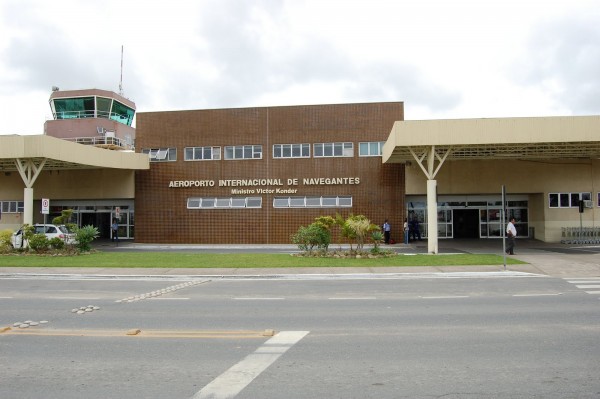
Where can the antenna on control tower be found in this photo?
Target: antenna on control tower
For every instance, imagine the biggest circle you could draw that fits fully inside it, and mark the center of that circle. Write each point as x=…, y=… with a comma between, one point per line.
x=121, y=81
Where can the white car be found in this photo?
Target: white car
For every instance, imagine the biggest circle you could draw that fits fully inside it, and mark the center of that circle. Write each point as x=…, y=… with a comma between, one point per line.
x=50, y=230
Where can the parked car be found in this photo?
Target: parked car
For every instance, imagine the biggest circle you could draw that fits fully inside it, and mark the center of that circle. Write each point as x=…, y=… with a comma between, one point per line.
x=50, y=230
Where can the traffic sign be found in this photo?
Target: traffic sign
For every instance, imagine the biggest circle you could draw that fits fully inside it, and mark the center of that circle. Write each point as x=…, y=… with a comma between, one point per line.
x=45, y=206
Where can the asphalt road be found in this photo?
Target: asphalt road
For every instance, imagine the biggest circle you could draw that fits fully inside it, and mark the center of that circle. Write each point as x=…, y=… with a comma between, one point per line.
x=473, y=336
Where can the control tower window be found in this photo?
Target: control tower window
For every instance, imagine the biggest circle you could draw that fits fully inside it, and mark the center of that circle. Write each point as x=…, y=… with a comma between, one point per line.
x=103, y=105
x=122, y=113
x=74, y=108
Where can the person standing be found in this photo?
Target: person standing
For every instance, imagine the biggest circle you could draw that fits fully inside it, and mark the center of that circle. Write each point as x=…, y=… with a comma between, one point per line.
x=387, y=231
x=511, y=233
x=415, y=232
x=406, y=231
x=115, y=230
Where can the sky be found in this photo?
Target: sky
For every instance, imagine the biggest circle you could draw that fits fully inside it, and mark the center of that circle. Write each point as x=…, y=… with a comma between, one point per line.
x=443, y=59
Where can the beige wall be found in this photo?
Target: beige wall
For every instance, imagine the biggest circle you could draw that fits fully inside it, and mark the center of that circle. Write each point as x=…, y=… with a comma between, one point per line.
x=535, y=178
x=72, y=184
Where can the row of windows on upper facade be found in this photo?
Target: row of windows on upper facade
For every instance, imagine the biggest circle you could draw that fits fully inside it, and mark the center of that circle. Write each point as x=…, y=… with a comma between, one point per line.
x=334, y=201
x=280, y=151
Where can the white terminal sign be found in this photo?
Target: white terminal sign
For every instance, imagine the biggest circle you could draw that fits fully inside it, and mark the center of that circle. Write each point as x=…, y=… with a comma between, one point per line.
x=262, y=186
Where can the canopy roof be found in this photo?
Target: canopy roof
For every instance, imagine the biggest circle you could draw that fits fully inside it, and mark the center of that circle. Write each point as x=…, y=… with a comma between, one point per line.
x=499, y=138
x=61, y=154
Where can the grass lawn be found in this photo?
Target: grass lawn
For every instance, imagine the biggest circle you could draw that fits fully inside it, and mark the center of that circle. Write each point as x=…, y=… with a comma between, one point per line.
x=197, y=260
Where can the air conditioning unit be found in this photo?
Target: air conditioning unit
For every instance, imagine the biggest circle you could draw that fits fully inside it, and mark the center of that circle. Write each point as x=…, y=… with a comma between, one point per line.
x=588, y=203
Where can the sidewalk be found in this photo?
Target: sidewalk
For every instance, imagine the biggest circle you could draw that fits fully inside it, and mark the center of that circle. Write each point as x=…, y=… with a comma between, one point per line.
x=552, y=259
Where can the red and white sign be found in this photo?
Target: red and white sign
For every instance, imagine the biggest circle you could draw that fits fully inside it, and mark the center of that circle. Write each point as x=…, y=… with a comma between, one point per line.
x=45, y=206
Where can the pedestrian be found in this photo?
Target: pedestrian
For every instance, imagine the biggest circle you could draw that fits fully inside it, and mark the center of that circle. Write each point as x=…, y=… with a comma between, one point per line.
x=115, y=230
x=511, y=233
x=387, y=231
x=405, y=230
x=415, y=232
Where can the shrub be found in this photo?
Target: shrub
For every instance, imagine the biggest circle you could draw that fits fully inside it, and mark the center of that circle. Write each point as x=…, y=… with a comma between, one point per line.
x=57, y=243
x=357, y=228
x=39, y=243
x=84, y=237
x=376, y=237
x=5, y=241
x=314, y=235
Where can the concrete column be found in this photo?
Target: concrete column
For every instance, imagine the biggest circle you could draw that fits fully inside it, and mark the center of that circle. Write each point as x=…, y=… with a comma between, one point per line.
x=28, y=205
x=432, y=228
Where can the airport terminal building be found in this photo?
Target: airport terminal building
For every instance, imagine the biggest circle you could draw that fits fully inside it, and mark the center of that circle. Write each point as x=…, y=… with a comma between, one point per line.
x=254, y=175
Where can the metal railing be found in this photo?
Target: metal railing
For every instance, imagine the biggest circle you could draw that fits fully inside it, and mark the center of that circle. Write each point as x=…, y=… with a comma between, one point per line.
x=580, y=235
x=103, y=141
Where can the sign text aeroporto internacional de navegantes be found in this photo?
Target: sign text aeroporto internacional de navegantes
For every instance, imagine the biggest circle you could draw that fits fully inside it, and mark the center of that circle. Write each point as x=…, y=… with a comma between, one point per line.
x=308, y=181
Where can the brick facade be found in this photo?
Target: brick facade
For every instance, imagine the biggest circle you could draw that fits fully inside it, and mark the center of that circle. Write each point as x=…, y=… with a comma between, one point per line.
x=161, y=214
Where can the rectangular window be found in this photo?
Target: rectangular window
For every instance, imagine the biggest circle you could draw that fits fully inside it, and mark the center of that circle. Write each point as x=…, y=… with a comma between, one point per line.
x=238, y=202
x=283, y=202
x=328, y=201
x=313, y=202
x=161, y=154
x=254, y=202
x=208, y=202
x=202, y=153
x=291, y=150
x=370, y=149
x=224, y=202
x=333, y=150
x=297, y=202
x=243, y=152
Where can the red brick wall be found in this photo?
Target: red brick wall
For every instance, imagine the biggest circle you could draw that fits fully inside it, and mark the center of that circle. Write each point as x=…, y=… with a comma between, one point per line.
x=161, y=214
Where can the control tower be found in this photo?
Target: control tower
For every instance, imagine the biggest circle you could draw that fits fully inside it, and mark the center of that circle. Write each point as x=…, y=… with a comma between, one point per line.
x=94, y=117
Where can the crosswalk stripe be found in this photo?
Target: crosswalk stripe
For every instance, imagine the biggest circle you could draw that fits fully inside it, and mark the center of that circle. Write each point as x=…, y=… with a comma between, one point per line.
x=232, y=381
x=586, y=283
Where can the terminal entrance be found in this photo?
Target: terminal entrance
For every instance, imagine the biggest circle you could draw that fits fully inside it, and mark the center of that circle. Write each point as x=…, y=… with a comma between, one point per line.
x=100, y=214
x=472, y=216
x=466, y=223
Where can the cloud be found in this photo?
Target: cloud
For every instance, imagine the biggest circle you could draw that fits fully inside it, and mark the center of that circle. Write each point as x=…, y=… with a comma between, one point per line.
x=563, y=57
x=259, y=53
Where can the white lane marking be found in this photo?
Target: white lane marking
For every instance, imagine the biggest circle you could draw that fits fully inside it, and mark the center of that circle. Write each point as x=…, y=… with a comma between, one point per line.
x=232, y=381
x=593, y=292
x=259, y=299
x=533, y=295
x=6, y=297
x=74, y=297
x=444, y=297
x=366, y=298
x=587, y=286
x=584, y=281
x=168, y=299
